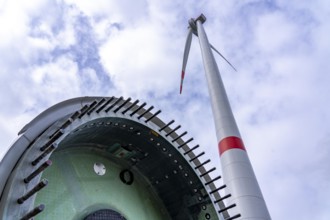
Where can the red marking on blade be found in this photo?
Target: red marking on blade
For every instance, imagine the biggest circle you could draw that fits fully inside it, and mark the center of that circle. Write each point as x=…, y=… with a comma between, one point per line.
x=229, y=143
x=182, y=77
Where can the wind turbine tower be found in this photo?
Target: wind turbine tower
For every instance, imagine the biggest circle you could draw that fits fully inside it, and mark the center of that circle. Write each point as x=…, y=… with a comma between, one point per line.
x=243, y=191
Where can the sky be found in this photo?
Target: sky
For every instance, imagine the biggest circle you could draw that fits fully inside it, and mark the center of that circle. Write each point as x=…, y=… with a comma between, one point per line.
x=51, y=51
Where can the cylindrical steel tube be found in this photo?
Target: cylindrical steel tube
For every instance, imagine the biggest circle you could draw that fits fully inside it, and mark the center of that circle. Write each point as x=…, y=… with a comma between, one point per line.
x=237, y=170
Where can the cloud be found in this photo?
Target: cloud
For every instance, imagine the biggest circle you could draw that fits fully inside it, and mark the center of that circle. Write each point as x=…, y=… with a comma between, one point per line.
x=132, y=59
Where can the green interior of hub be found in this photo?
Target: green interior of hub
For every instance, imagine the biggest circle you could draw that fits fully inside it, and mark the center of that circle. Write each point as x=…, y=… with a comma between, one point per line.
x=75, y=190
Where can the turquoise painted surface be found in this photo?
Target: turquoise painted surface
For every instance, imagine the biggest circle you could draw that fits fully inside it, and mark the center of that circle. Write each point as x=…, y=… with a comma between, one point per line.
x=75, y=190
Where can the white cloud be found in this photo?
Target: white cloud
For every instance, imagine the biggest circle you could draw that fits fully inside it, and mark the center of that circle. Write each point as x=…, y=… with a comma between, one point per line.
x=133, y=59
x=117, y=11
x=275, y=32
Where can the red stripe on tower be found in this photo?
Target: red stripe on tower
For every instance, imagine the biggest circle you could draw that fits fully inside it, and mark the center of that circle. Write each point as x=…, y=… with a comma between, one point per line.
x=231, y=142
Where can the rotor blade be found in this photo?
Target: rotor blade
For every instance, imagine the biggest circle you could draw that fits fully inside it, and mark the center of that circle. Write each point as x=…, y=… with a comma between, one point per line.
x=185, y=56
x=223, y=57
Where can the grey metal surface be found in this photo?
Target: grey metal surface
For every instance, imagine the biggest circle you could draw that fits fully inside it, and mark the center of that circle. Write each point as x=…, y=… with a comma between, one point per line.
x=223, y=117
x=105, y=214
x=33, y=129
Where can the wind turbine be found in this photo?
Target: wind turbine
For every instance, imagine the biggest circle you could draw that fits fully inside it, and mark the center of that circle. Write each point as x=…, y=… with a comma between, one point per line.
x=193, y=30
x=243, y=191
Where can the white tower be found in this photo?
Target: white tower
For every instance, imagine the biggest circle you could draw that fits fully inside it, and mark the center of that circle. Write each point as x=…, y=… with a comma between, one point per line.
x=245, y=200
